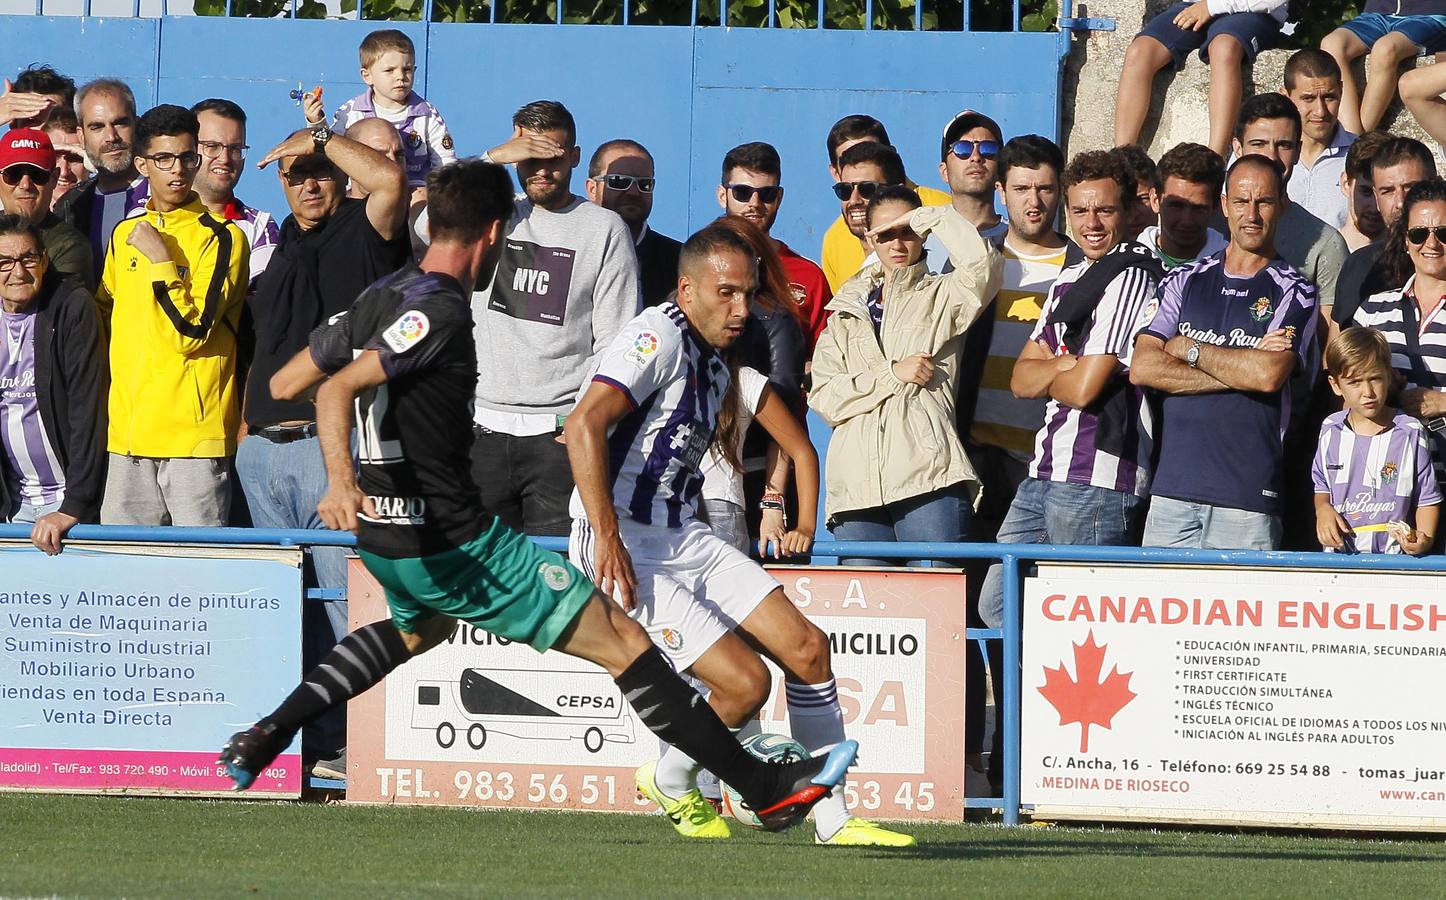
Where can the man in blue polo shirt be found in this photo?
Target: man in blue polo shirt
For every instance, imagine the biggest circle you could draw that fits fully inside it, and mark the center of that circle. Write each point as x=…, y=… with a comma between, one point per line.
x=1229, y=332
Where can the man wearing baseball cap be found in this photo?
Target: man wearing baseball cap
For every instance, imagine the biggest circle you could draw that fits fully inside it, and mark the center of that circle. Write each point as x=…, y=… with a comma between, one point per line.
x=969, y=165
x=27, y=177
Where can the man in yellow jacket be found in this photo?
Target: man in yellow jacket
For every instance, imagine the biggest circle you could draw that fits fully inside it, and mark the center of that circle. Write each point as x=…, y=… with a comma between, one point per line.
x=171, y=293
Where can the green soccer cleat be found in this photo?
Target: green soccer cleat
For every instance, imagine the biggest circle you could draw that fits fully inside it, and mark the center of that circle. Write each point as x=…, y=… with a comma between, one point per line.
x=691, y=815
x=858, y=832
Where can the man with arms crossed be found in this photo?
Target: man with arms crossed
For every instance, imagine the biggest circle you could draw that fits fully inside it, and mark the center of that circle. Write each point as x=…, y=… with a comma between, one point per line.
x=405, y=350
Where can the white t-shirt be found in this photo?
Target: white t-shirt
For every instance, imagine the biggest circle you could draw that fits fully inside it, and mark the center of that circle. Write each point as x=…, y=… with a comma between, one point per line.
x=720, y=480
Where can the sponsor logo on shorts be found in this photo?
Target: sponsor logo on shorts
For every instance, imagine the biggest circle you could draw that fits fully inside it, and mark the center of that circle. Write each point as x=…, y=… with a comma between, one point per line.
x=404, y=333
x=672, y=640
x=555, y=576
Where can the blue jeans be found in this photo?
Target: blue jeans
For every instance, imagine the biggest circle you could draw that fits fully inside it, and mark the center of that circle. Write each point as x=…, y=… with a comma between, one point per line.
x=283, y=483
x=942, y=515
x=1053, y=512
x=1180, y=523
x=29, y=513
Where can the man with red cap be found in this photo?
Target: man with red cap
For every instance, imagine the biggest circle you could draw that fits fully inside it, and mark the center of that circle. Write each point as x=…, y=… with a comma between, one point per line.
x=27, y=177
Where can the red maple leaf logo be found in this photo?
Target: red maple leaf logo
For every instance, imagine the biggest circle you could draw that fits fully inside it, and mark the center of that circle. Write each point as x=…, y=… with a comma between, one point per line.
x=1085, y=698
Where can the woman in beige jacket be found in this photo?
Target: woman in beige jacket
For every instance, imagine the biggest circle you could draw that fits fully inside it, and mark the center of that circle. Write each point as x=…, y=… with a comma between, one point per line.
x=885, y=373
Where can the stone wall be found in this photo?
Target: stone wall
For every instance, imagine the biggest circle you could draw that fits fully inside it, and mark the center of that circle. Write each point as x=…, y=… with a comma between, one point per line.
x=1178, y=113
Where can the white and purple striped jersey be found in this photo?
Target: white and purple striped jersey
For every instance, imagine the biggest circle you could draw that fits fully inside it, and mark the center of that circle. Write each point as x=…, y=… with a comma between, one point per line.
x=426, y=143
x=108, y=211
x=674, y=381
x=1418, y=344
x=32, y=470
x=261, y=232
x=1066, y=448
x=1376, y=479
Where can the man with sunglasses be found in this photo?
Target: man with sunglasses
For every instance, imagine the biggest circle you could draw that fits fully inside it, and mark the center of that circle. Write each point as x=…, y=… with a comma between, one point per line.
x=171, y=290
x=752, y=189
x=331, y=248
x=862, y=169
x=107, y=112
x=27, y=177
x=620, y=177
x=969, y=165
x=222, y=143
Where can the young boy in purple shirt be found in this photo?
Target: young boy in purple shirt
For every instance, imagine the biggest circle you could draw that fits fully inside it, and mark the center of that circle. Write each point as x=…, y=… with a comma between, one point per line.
x=1376, y=490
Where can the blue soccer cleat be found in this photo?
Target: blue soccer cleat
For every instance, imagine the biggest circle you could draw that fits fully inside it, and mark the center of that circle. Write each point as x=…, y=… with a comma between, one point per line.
x=248, y=753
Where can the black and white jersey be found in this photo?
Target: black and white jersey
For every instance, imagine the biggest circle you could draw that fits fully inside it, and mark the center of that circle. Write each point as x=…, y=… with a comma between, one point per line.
x=414, y=433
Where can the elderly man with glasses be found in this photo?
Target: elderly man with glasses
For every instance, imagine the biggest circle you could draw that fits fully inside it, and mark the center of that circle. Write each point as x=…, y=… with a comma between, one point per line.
x=222, y=143
x=621, y=178
x=171, y=288
x=27, y=178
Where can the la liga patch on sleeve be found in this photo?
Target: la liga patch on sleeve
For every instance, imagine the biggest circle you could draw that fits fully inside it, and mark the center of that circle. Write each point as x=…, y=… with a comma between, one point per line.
x=406, y=332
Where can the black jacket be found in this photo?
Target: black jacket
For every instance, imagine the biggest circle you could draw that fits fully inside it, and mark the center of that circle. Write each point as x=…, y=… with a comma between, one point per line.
x=70, y=388
x=658, y=266
x=74, y=208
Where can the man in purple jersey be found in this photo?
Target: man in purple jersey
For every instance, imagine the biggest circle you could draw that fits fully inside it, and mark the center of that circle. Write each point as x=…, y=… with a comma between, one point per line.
x=1228, y=333
x=1091, y=466
x=107, y=112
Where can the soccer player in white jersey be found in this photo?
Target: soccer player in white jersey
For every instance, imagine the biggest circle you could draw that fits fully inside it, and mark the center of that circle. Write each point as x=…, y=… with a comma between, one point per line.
x=636, y=442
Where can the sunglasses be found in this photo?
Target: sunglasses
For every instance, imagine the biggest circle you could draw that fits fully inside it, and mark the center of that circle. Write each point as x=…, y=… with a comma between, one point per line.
x=965, y=149
x=166, y=162
x=296, y=176
x=622, y=183
x=866, y=189
x=1419, y=234
x=743, y=193
x=15, y=174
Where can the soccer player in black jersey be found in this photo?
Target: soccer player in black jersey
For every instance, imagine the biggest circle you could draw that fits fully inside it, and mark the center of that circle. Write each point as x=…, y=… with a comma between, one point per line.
x=405, y=351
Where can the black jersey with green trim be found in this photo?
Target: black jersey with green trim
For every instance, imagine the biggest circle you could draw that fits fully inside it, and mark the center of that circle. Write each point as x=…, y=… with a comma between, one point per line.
x=414, y=432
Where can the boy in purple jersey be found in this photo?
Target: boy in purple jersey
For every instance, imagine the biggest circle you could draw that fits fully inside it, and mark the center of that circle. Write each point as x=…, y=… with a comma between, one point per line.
x=1376, y=490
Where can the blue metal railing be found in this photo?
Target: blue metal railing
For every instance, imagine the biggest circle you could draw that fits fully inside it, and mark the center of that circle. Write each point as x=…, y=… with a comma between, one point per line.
x=1012, y=556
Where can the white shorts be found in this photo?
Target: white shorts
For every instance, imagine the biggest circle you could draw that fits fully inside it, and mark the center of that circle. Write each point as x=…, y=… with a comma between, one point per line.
x=693, y=587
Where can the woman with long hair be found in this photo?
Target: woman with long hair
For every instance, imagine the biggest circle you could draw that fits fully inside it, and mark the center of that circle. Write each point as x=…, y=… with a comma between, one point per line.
x=766, y=365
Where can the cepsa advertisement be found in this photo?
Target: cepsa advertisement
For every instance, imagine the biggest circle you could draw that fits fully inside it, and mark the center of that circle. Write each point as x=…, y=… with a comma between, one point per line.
x=479, y=721
x=125, y=668
x=1246, y=696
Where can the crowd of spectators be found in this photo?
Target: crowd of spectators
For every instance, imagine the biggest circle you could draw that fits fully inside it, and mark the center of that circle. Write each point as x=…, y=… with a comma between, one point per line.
x=1238, y=345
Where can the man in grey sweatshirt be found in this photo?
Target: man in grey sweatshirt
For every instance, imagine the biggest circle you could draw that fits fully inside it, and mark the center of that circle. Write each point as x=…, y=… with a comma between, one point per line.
x=567, y=281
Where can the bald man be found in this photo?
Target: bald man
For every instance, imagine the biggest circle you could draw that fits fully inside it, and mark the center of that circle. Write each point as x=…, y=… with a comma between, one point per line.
x=381, y=136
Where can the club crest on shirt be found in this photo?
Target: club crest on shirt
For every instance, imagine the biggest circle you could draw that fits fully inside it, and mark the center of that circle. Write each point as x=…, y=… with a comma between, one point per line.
x=643, y=348
x=414, y=139
x=404, y=333
x=447, y=141
x=1389, y=472
x=800, y=293
x=1261, y=309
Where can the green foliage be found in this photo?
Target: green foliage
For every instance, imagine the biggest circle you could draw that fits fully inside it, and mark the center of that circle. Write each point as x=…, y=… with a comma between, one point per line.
x=897, y=15
x=1317, y=18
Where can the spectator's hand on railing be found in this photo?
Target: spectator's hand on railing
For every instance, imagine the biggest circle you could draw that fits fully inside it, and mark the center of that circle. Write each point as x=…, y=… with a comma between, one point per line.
x=614, y=568
x=1195, y=16
x=145, y=238
x=339, y=508
x=50, y=530
x=775, y=540
x=916, y=369
x=1331, y=527
x=525, y=145
x=22, y=110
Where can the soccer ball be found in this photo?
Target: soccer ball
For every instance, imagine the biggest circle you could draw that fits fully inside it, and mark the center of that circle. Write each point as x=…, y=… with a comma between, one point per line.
x=772, y=748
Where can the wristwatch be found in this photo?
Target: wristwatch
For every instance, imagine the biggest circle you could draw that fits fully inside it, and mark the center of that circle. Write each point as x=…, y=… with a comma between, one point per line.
x=1192, y=356
x=320, y=134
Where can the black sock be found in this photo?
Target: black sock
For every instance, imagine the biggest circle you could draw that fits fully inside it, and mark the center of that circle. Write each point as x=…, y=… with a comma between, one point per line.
x=358, y=661
x=679, y=715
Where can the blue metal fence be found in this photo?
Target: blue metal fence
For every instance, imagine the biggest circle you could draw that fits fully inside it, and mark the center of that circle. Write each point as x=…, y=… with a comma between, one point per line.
x=1012, y=556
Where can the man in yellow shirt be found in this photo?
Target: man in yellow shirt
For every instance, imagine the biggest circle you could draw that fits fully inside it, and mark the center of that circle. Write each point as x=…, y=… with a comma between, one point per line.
x=172, y=288
x=843, y=249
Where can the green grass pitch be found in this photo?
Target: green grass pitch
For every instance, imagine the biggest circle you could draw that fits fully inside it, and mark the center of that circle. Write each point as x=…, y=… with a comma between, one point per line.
x=135, y=847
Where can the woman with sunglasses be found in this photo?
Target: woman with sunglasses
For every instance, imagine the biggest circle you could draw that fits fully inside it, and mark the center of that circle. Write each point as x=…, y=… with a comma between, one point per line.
x=885, y=374
x=52, y=399
x=1413, y=317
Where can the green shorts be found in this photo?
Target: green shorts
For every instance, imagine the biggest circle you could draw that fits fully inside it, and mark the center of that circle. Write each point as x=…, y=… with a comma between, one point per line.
x=499, y=581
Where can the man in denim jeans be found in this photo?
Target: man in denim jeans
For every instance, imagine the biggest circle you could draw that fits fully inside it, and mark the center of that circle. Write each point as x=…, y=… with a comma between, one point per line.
x=1090, y=469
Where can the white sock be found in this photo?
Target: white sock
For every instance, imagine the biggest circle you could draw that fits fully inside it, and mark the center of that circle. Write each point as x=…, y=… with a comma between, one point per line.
x=817, y=723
